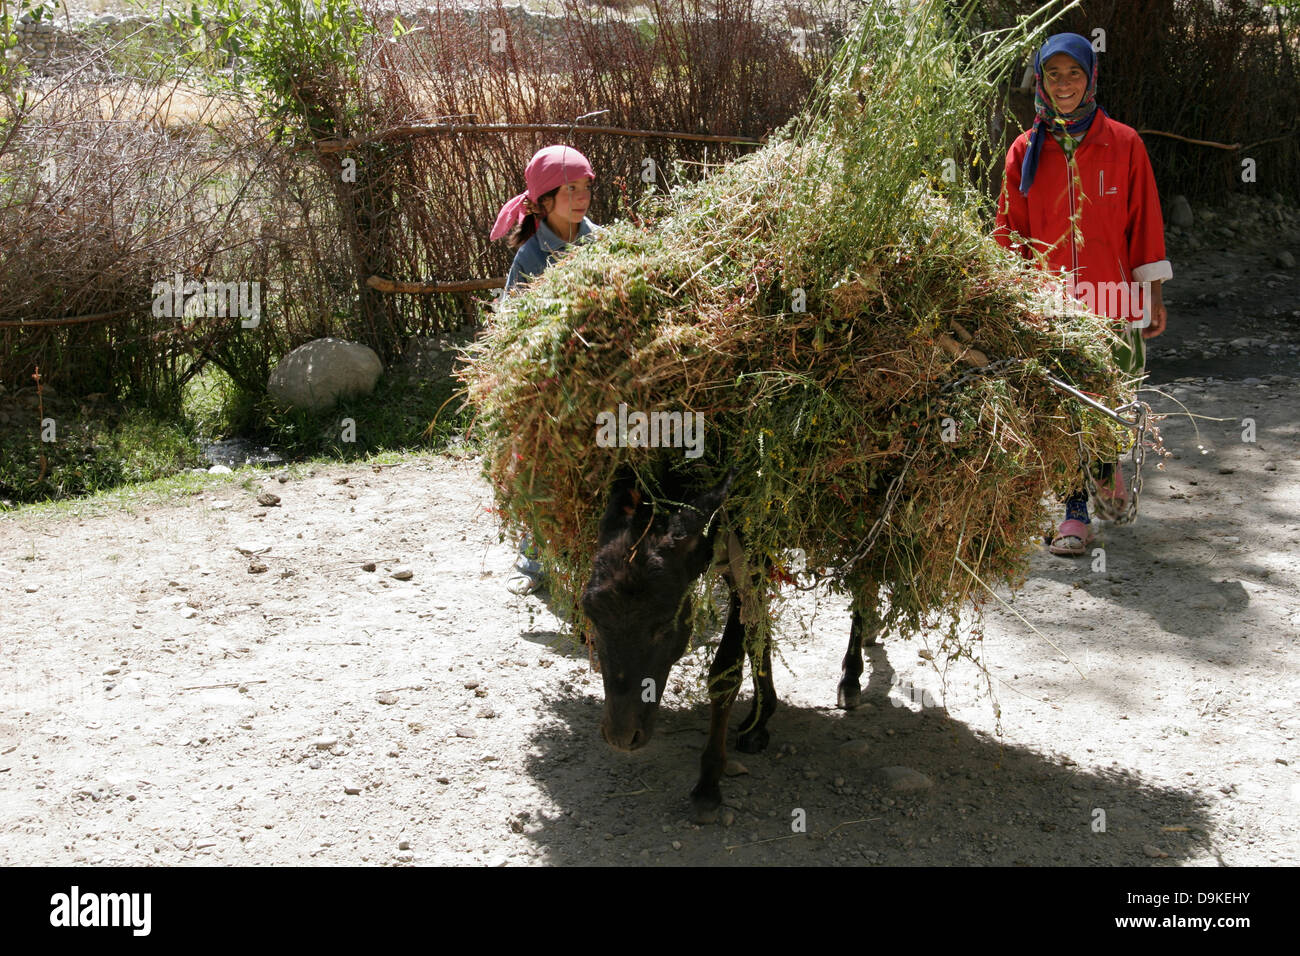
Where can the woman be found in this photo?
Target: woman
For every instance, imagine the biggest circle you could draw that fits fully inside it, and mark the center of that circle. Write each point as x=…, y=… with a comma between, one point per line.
x=1079, y=192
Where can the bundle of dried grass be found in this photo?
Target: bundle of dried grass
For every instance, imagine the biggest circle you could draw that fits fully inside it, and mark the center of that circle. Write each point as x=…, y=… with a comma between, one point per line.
x=853, y=343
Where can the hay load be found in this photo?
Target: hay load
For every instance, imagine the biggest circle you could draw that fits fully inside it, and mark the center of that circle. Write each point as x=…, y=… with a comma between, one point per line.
x=849, y=338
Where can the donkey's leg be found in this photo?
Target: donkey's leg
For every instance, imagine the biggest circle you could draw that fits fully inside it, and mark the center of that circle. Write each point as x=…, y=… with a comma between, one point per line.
x=849, y=694
x=724, y=681
x=753, y=732
x=865, y=630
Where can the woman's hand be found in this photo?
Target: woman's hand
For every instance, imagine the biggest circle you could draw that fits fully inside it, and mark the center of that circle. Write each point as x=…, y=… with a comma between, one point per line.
x=1156, y=310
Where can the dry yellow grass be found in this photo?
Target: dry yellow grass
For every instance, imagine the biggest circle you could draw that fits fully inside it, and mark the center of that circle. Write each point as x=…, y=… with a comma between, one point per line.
x=174, y=106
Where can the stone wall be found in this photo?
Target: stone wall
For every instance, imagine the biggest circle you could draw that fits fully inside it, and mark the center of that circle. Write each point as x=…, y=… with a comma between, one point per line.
x=51, y=48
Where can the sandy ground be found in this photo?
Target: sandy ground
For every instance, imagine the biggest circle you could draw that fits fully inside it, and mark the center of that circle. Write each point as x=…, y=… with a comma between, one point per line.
x=167, y=698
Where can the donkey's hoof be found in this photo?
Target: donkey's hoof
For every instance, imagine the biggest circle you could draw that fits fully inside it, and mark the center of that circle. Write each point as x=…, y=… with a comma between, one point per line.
x=705, y=803
x=848, y=697
x=754, y=741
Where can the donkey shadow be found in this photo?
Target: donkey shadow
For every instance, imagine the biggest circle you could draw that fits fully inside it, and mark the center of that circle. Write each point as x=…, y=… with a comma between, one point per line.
x=987, y=802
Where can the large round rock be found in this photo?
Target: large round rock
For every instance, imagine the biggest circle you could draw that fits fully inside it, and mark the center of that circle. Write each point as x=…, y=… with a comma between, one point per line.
x=316, y=375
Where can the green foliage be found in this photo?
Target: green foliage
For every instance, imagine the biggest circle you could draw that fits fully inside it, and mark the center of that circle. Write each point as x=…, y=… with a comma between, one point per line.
x=394, y=418
x=94, y=449
x=103, y=446
x=294, y=55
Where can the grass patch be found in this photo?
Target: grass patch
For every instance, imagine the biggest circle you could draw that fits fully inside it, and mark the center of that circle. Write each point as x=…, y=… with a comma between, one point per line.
x=99, y=447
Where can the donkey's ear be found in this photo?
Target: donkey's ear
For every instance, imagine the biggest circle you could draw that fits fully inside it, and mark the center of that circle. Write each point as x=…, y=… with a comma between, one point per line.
x=691, y=520
x=624, y=501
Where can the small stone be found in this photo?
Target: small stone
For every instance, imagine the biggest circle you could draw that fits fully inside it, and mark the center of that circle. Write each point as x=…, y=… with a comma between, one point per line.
x=855, y=748
x=314, y=764
x=486, y=713
x=1180, y=212
x=324, y=743
x=902, y=778
x=368, y=566
x=352, y=789
x=465, y=732
x=386, y=697
x=113, y=670
x=470, y=684
x=839, y=781
x=1154, y=852
x=444, y=780
x=677, y=844
x=1226, y=470
x=735, y=768
x=728, y=818
x=1285, y=260
x=403, y=844
x=256, y=567
x=405, y=856
x=403, y=574
x=219, y=470
x=1270, y=466
x=268, y=500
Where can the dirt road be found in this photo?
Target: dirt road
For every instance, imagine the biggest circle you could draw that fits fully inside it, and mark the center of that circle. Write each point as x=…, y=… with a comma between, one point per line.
x=168, y=698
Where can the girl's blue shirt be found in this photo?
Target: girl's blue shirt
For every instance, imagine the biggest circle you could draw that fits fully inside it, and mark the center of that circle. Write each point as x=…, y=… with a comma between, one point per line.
x=537, y=253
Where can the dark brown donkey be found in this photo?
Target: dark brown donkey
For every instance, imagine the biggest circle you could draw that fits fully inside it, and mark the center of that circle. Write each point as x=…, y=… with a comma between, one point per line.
x=638, y=603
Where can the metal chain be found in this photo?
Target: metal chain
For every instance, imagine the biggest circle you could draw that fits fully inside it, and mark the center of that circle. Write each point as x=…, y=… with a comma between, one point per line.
x=1104, y=504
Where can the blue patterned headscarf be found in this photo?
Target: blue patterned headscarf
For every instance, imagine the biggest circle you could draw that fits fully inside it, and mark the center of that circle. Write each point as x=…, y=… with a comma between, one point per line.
x=1046, y=117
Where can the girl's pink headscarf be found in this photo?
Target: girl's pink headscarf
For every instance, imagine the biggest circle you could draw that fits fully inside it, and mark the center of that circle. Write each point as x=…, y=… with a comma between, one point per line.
x=549, y=169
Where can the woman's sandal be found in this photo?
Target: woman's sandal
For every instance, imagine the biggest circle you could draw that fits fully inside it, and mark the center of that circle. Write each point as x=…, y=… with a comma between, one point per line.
x=1072, y=538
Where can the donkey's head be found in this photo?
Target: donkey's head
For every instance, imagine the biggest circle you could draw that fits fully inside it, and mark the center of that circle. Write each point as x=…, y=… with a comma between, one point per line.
x=647, y=559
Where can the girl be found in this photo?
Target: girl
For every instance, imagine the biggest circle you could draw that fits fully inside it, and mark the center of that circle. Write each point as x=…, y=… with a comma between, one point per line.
x=548, y=216
x=538, y=224
x=1080, y=192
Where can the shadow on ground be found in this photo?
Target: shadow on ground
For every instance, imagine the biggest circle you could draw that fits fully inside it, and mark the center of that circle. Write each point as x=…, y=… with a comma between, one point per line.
x=988, y=803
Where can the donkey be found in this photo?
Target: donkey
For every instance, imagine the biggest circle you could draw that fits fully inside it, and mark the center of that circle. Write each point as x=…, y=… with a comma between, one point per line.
x=637, y=601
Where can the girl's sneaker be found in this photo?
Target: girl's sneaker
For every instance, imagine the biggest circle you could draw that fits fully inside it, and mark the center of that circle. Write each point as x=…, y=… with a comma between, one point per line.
x=528, y=576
